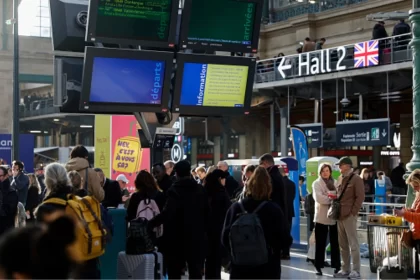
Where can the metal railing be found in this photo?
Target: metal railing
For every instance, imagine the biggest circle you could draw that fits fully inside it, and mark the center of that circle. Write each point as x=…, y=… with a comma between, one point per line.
x=391, y=50
x=38, y=108
x=284, y=9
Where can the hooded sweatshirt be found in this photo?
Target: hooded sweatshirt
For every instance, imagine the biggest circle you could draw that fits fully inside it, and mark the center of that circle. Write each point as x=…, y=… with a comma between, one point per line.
x=94, y=187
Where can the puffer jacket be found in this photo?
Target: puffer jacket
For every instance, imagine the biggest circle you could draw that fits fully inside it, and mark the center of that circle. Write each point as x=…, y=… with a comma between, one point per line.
x=94, y=187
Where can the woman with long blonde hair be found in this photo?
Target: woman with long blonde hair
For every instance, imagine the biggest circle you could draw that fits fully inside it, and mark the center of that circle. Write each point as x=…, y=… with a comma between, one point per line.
x=33, y=198
x=273, y=223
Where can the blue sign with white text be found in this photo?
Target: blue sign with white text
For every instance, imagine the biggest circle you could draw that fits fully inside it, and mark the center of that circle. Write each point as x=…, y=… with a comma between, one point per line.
x=362, y=133
x=26, y=150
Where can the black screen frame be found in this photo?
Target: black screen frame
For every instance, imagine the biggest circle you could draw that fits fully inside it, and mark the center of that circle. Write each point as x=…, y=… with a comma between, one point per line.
x=92, y=38
x=188, y=110
x=184, y=43
x=124, y=108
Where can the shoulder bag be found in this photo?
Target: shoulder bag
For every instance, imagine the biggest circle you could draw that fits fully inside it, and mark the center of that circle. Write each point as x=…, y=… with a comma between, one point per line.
x=335, y=207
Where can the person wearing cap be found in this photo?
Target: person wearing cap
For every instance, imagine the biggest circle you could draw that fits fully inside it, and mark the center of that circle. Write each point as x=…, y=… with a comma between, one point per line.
x=123, y=181
x=351, y=202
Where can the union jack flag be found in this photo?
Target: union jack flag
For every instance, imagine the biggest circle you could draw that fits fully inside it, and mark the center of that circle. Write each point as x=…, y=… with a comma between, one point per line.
x=366, y=54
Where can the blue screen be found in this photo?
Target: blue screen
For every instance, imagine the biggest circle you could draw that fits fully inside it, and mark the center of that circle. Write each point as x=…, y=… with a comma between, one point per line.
x=122, y=80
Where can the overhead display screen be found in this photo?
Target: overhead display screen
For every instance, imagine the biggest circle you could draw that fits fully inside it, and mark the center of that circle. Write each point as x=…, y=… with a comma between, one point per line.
x=116, y=80
x=132, y=21
x=214, y=85
x=125, y=81
x=208, y=85
x=230, y=25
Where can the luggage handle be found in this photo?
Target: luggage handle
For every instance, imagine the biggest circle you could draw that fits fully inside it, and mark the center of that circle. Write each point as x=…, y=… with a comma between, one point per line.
x=399, y=261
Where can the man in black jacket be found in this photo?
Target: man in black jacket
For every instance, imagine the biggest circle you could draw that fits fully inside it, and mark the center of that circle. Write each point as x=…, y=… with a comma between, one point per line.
x=231, y=184
x=163, y=179
x=111, y=189
x=291, y=194
x=279, y=194
x=184, y=219
x=9, y=202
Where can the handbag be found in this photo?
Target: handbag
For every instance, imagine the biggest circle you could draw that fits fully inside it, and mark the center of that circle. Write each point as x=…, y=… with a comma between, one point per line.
x=334, y=209
x=407, y=239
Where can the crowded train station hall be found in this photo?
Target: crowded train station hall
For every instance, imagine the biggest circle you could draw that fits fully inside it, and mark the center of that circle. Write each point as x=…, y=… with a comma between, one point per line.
x=209, y=139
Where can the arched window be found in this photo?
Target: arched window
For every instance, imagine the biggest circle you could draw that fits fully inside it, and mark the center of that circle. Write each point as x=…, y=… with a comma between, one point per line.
x=34, y=18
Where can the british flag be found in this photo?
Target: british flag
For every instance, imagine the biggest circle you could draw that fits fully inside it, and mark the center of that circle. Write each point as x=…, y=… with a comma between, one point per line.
x=366, y=54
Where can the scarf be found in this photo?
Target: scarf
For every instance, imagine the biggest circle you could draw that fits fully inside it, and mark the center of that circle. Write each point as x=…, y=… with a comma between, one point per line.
x=329, y=183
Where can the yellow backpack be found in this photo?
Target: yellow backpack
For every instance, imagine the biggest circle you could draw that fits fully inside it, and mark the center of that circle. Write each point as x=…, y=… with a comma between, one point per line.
x=91, y=234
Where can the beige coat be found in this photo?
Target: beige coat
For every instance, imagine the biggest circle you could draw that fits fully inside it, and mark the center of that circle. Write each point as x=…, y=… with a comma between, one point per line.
x=322, y=202
x=353, y=197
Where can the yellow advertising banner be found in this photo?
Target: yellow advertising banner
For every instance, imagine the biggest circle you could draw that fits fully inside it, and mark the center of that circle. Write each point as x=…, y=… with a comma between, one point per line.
x=103, y=143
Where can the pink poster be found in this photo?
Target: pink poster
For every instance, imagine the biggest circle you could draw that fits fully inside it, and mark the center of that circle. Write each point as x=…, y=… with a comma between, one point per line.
x=127, y=156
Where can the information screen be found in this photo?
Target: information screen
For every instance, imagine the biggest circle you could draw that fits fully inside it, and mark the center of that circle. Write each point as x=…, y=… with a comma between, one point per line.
x=222, y=21
x=130, y=81
x=214, y=85
x=134, y=19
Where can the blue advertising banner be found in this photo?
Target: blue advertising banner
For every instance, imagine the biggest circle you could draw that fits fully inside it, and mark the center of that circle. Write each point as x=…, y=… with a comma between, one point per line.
x=300, y=148
x=373, y=132
x=26, y=150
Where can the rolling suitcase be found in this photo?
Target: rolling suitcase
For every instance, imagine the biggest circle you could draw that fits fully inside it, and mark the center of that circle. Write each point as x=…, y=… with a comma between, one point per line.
x=386, y=272
x=145, y=266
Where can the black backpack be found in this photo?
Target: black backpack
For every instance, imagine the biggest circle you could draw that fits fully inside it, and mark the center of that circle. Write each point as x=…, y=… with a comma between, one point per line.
x=139, y=238
x=309, y=204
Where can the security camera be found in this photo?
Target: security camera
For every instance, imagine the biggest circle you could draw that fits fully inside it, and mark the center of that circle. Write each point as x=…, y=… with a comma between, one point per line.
x=345, y=102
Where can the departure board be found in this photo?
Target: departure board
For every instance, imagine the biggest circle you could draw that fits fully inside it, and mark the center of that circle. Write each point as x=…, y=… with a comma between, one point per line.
x=222, y=21
x=147, y=20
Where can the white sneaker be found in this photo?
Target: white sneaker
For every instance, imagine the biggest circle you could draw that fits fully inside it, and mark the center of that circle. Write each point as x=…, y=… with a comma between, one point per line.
x=341, y=274
x=354, y=275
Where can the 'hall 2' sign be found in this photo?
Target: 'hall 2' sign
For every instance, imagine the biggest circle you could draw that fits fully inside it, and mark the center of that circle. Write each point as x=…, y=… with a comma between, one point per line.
x=313, y=63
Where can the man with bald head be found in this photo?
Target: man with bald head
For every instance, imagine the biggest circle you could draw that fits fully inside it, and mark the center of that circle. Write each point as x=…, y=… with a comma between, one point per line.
x=231, y=184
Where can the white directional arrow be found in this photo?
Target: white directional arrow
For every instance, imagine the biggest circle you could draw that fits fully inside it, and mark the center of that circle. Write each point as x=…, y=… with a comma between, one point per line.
x=384, y=133
x=283, y=67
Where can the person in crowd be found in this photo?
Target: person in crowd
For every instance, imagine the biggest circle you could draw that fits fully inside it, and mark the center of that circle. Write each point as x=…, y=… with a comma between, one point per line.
x=356, y=170
x=231, y=183
x=163, y=179
x=34, y=192
x=291, y=194
x=169, y=167
x=8, y=202
x=20, y=219
x=122, y=182
x=77, y=184
x=324, y=225
x=194, y=175
x=146, y=187
x=111, y=189
x=184, y=218
x=412, y=215
x=240, y=191
x=273, y=221
x=201, y=173
x=320, y=44
x=211, y=169
x=402, y=34
x=278, y=194
x=10, y=174
x=369, y=185
x=40, y=176
x=58, y=186
x=79, y=162
x=388, y=184
x=20, y=181
x=39, y=252
x=308, y=45
x=351, y=201
x=219, y=202
x=379, y=31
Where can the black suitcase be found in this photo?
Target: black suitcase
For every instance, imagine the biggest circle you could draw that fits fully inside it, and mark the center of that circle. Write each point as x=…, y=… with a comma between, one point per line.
x=386, y=272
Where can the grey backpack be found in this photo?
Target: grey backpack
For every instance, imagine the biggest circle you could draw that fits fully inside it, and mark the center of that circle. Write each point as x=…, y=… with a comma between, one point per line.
x=247, y=240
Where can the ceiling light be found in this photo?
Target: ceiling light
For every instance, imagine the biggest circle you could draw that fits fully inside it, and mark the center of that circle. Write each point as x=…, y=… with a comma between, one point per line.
x=46, y=132
x=34, y=131
x=86, y=126
x=300, y=1
x=312, y=1
x=56, y=120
